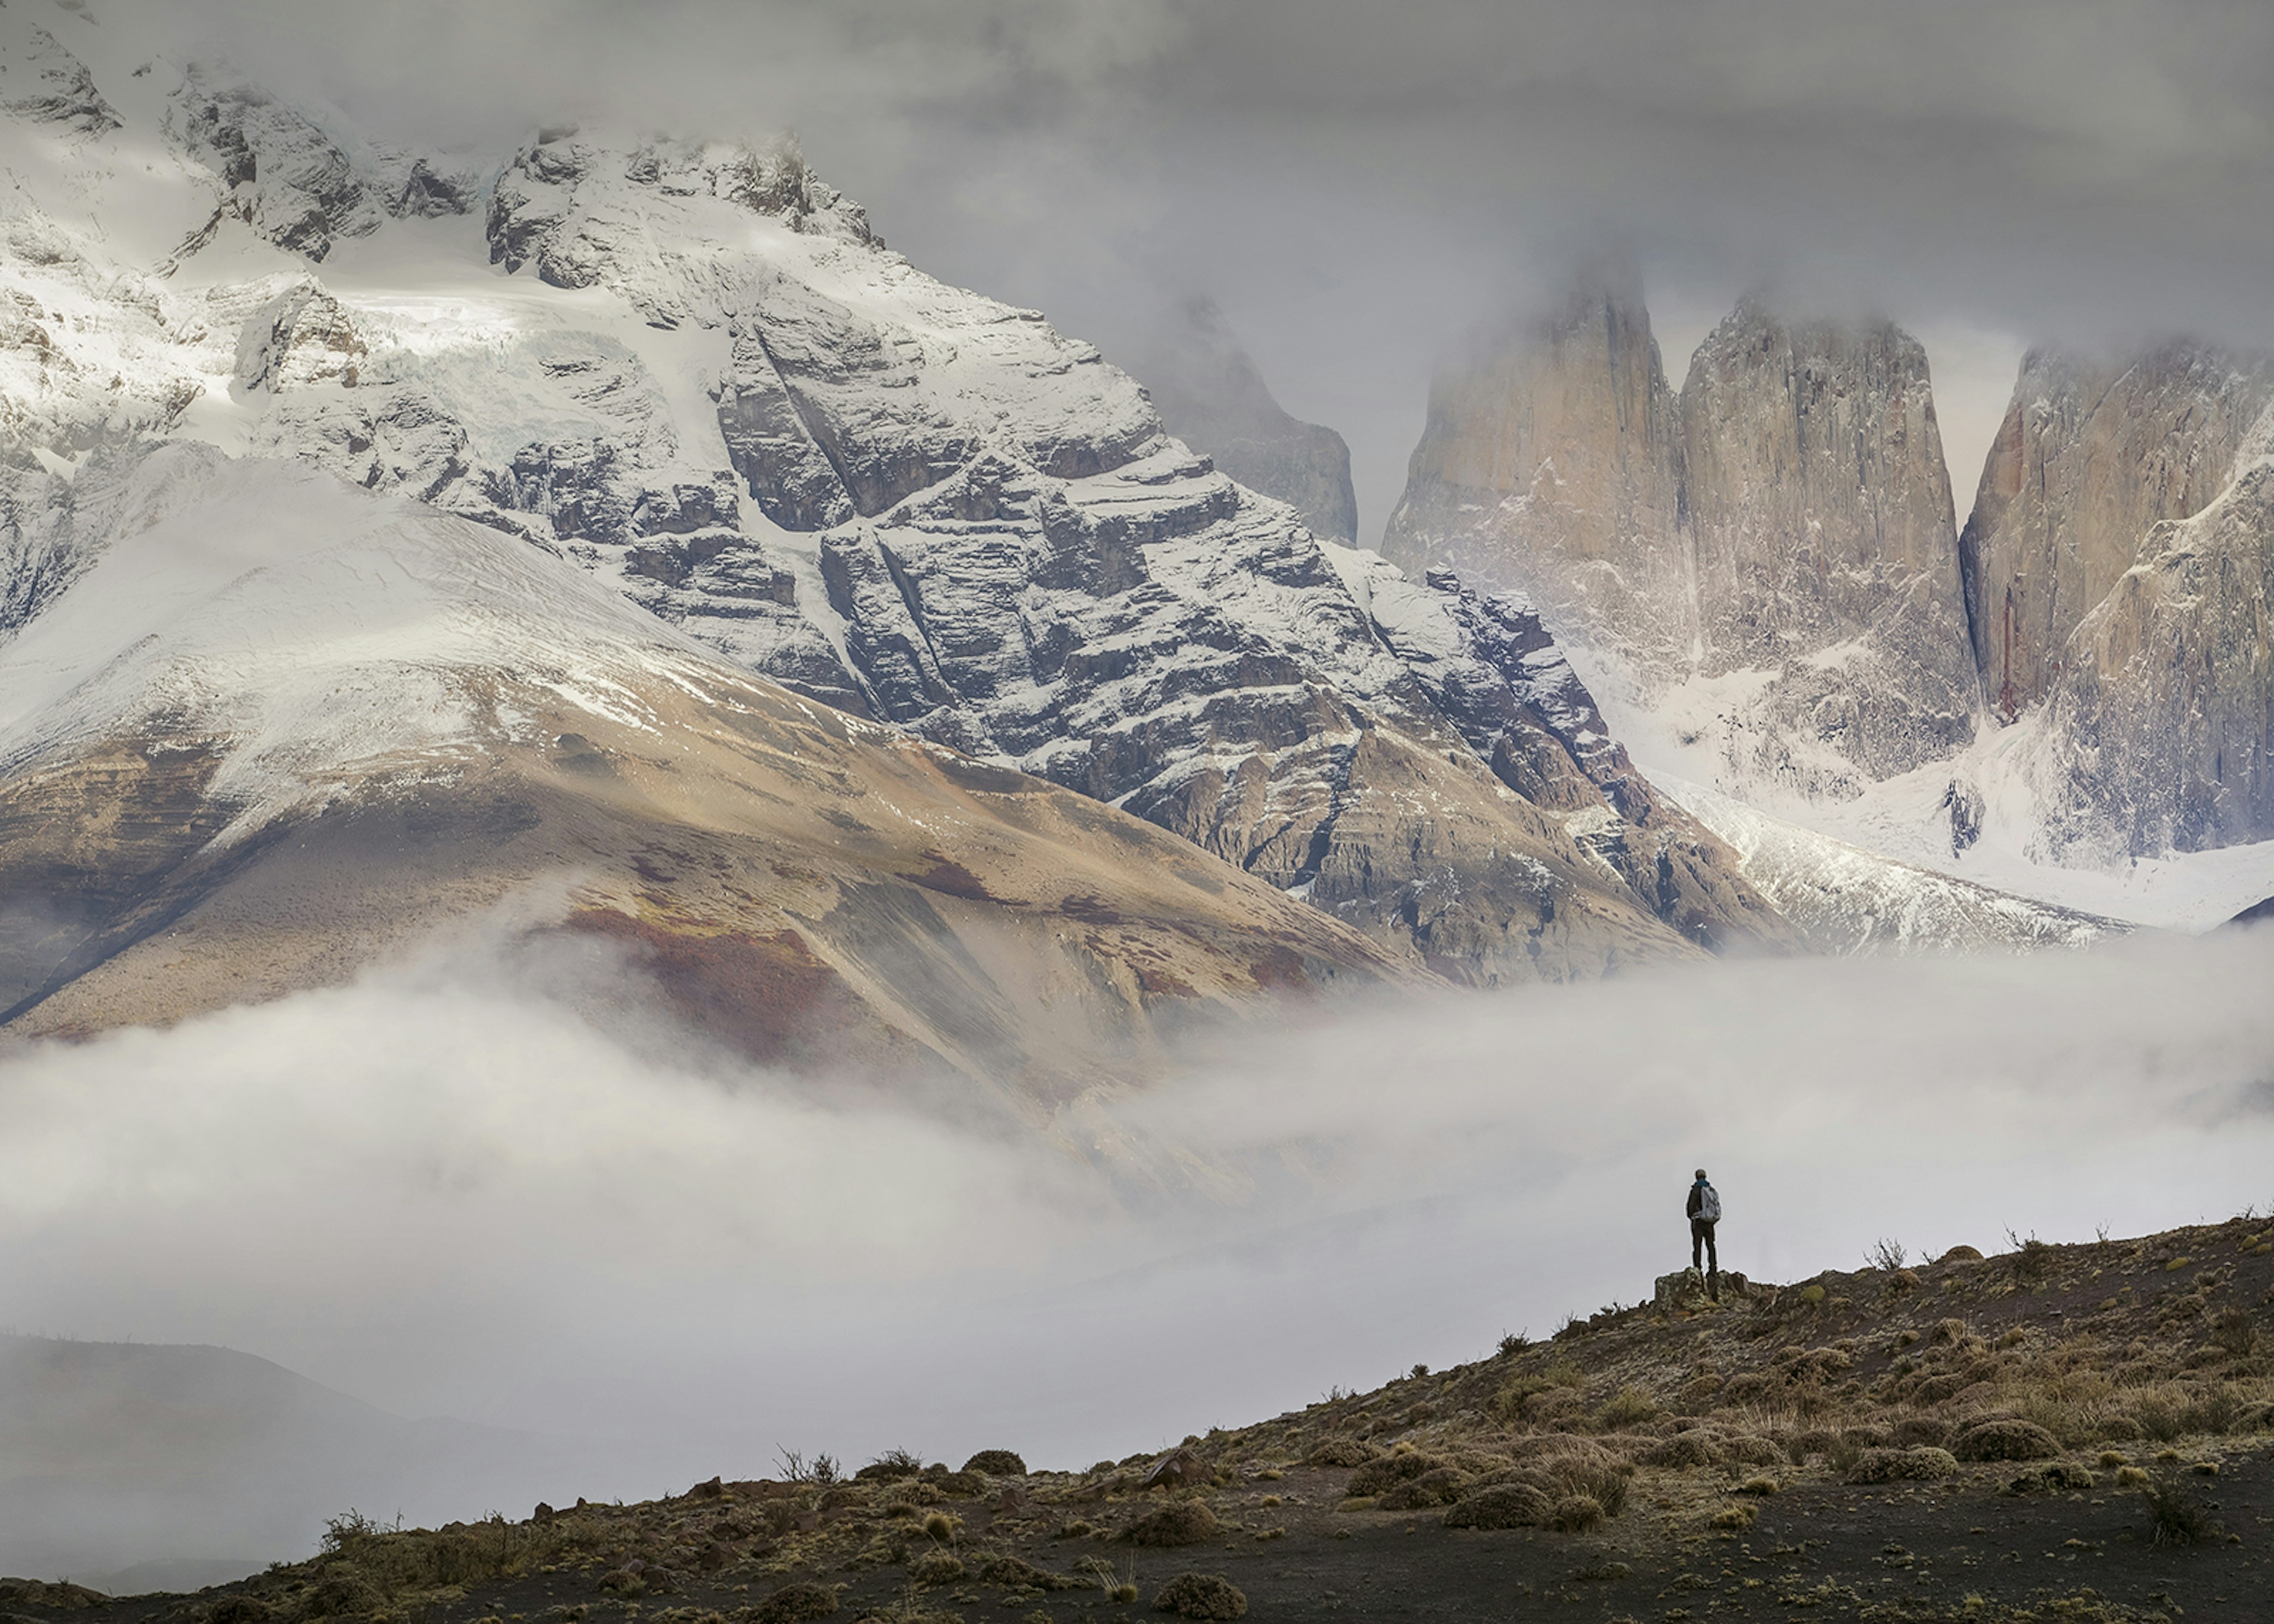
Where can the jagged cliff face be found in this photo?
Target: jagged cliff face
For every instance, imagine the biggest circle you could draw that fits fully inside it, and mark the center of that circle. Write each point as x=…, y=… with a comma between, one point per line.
x=1785, y=519
x=2161, y=719
x=2093, y=454
x=1820, y=513
x=1211, y=396
x=696, y=373
x=1554, y=466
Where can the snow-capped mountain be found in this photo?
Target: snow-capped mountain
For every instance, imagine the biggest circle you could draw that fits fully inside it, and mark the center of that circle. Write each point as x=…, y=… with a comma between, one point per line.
x=694, y=371
x=280, y=729
x=1760, y=576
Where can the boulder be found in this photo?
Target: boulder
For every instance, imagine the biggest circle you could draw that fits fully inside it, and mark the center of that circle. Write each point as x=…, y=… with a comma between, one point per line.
x=1683, y=1289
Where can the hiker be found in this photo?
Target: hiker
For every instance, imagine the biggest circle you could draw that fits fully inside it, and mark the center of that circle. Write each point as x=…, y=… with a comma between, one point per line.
x=1704, y=1212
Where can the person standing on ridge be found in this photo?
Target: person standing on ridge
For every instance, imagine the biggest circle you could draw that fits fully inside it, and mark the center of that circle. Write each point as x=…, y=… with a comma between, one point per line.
x=1704, y=1212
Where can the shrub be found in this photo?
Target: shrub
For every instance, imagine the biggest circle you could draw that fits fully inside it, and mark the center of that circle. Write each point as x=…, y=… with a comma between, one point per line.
x=1918, y=1430
x=2060, y=1478
x=1922, y=1463
x=889, y=1466
x=794, y=1603
x=1513, y=1342
x=1605, y=1484
x=2005, y=1441
x=2234, y=1332
x=997, y=1464
x=1180, y=1522
x=1961, y=1254
x=2130, y=1477
x=1577, y=1513
x=1505, y=1505
x=1736, y=1517
x=1760, y=1487
x=2176, y=1517
x=1201, y=1596
x=936, y=1566
x=1440, y=1487
x=1341, y=1452
x=1378, y=1475
x=1887, y=1255
x=1629, y=1407
x=1684, y=1451
x=1013, y=1575
x=943, y=1526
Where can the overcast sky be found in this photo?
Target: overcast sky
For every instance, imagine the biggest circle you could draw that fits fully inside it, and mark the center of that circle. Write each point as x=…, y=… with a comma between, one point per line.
x=1359, y=184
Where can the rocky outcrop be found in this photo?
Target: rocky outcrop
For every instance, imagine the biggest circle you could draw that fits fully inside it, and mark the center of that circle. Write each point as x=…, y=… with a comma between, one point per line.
x=1820, y=515
x=1784, y=523
x=1552, y=464
x=1211, y=396
x=2092, y=454
x=2161, y=722
x=302, y=336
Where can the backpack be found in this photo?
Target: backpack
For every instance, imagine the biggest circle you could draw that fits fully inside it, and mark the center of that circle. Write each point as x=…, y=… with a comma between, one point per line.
x=1709, y=1204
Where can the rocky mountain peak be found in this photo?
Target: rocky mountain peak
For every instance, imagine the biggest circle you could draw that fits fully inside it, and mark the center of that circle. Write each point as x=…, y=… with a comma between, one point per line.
x=2094, y=452
x=1212, y=396
x=1551, y=463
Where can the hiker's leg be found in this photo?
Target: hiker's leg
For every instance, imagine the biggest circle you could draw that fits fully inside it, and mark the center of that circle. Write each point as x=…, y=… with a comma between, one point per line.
x=1712, y=1264
x=1696, y=1243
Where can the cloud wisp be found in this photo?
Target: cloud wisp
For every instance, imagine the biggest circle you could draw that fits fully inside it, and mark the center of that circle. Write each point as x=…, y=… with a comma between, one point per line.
x=445, y=1190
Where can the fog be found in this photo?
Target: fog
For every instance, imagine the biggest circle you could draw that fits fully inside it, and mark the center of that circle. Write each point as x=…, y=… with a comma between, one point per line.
x=1362, y=186
x=470, y=1185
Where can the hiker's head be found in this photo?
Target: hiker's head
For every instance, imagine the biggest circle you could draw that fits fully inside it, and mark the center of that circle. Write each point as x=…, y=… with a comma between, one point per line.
x=1701, y=1176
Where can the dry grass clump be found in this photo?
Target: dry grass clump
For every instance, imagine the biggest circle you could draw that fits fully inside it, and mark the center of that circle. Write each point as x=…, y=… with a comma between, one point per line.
x=1343, y=1451
x=1924, y=1464
x=889, y=1466
x=1627, y=1407
x=937, y=1566
x=1439, y=1487
x=997, y=1464
x=1505, y=1505
x=1379, y=1476
x=1683, y=1452
x=794, y=1603
x=1577, y=1513
x=1179, y=1522
x=1738, y=1516
x=1201, y=1596
x=943, y=1526
x=2176, y=1516
x=2060, y=1478
x=1013, y=1575
x=2005, y=1441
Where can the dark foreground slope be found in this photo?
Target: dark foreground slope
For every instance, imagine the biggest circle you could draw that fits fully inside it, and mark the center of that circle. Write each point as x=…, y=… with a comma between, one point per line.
x=2060, y=1433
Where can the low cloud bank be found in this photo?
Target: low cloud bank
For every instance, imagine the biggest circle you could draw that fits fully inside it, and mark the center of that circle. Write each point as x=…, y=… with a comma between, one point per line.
x=448, y=1190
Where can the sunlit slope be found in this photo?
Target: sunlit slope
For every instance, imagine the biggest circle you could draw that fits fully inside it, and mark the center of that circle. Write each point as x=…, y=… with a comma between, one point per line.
x=283, y=728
